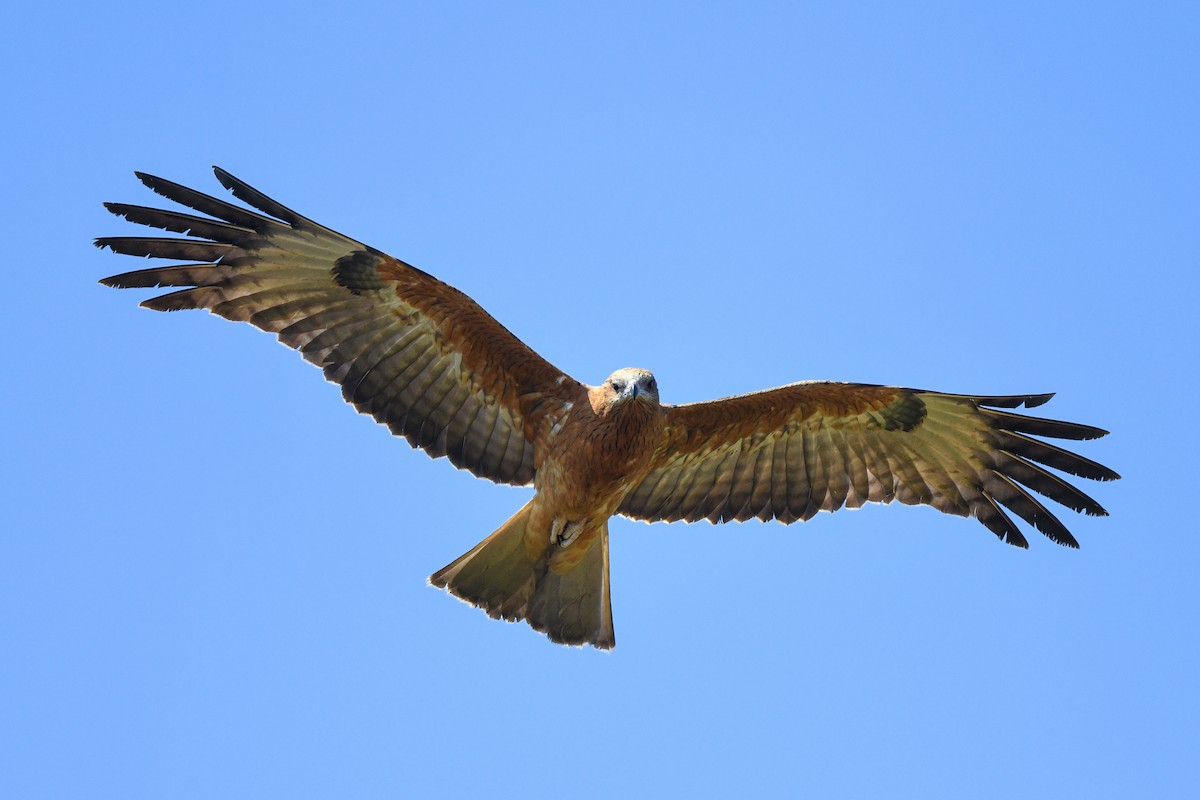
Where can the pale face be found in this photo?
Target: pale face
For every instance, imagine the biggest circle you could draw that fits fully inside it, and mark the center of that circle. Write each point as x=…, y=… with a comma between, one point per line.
x=631, y=383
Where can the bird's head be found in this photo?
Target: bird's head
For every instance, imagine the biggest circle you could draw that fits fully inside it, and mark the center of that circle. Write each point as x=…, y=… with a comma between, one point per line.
x=629, y=385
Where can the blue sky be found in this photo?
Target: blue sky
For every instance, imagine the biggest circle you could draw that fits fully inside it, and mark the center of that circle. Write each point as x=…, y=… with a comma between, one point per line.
x=212, y=577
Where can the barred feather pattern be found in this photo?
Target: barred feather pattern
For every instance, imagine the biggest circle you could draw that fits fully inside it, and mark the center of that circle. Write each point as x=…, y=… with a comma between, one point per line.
x=416, y=354
x=790, y=452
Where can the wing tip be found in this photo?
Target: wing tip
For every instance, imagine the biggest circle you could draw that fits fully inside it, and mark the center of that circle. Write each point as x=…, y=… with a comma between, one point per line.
x=164, y=302
x=1086, y=433
x=153, y=182
x=227, y=179
x=1016, y=541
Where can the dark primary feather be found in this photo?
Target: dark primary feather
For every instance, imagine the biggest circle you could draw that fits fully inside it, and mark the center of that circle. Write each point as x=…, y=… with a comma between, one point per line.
x=1005, y=400
x=178, y=222
x=251, y=196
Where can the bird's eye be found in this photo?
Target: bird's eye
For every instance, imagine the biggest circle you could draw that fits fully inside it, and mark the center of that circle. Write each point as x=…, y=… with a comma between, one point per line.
x=616, y=387
x=653, y=384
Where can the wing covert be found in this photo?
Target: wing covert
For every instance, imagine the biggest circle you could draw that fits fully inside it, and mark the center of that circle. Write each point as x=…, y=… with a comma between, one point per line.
x=416, y=354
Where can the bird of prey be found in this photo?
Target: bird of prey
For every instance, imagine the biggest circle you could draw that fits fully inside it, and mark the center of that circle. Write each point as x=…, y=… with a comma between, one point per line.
x=427, y=361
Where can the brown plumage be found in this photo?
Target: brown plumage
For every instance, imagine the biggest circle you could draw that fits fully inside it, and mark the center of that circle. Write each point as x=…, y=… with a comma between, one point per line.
x=424, y=359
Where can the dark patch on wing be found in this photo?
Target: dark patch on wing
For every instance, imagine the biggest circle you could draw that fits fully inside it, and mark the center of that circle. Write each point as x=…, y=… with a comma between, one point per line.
x=905, y=414
x=359, y=272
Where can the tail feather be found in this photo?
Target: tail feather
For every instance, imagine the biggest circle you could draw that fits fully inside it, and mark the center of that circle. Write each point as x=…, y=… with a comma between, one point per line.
x=572, y=603
x=517, y=573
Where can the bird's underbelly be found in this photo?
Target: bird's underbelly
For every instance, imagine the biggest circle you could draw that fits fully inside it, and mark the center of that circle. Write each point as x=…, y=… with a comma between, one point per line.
x=585, y=490
x=571, y=510
x=587, y=470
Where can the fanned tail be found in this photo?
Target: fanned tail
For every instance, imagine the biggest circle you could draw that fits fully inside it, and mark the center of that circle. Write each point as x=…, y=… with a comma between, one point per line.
x=517, y=573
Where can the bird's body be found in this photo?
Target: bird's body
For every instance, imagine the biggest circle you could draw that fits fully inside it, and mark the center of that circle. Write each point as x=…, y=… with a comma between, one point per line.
x=604, y=450
x=556, y=578
x=426, y=360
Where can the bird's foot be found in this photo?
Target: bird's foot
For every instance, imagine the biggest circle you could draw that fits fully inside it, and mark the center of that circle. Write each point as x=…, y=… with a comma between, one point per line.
x=563, y=532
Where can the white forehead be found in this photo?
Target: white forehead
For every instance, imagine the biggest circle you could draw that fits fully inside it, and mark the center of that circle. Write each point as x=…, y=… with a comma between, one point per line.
x=631, y=375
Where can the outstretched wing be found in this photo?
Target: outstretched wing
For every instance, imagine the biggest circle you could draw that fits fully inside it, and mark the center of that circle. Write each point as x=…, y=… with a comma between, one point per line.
x=790, y=452
x=414, y=353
